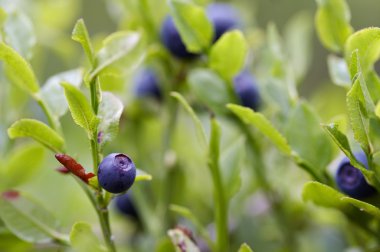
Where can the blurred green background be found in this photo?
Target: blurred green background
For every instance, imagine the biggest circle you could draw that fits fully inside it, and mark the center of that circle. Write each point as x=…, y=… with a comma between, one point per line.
x=55, y=52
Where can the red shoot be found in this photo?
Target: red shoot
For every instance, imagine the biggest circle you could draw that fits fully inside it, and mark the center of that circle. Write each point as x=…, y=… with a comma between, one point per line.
x=74, y=167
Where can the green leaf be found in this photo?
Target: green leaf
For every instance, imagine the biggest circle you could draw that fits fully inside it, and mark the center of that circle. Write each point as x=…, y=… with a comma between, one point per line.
x=363, y=206
x=227, y=55
x=338, y=71
x=194, y=27
x=80, y=109
x=82, y=238
x=303, y=127
x=110, y=110
x=245, y=248
x=357, y=75
x=367, y=42
x=333, y=23
x=231, y=159
x=18, y=70
x=181, y=241
x=19, y=33
x=142, y=175
x=358, y=116
x=200, y=130
x=341, y=140
x=298, y=42
x=124, y=47
x=326, y=196
x=22, y=164
x=39, y=131
x=80, y=35
x=209, y=88
x=29, y=220
x=258, y=120
x=53, y=94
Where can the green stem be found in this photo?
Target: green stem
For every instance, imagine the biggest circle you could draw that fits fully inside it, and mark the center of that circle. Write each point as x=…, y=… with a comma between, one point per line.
x=221, y=202
x=101, y=206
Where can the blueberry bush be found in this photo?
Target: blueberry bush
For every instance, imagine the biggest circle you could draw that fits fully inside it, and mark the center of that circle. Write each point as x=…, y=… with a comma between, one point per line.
x=186, y=126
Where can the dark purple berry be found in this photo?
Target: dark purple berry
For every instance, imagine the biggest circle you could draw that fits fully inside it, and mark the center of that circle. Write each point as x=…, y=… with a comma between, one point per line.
x=116, y=173
x=247, y=91
x=224, y=17
x=171, y=39
x=124, y=204
x=147, y=84
x=351, y=181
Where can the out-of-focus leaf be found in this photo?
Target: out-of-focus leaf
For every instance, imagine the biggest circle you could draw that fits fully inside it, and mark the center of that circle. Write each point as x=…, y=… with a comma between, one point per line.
x=53, y=94
x=298, y=42
x=193, y=25
x=341, y=140
x=258, y=120
x=80, y=35
x=80, y=109
x=338, y=71
x=303, y=127
x=366, y=41
x=39, y=132
x=333, y=23
x=142, y=175
x=18, y=70
x=19, y=33
x=200, y=130
x=82, y=238
x=181, y=241
x=124, y=47
x=231, y=160
x=110, y=110
x=227, y=55
x=326, y=196
x=29, y=220
x=22, y=165
x=245, y=248
x=209, y=88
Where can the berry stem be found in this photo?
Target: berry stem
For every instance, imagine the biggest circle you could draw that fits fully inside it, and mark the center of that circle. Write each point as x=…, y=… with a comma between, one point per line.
x=101, y=206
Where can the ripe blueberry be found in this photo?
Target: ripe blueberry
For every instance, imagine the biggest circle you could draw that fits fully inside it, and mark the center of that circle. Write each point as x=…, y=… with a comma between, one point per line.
x=247, y=91
x=351, y=181
x=146, y=84
x=224, y=17
x=116, y=173
x=171, y=39
x=124, y=204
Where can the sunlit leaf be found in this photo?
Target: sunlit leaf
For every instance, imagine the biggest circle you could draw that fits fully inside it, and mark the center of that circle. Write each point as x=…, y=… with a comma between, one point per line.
x=39, y=131
x=193, y=25
x=227, y=55
x=18, y=70
x=333, y=23
x=80, y=35
x=80, y=109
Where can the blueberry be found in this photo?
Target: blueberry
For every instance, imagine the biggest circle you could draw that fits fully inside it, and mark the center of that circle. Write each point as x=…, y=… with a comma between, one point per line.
x=116, y=173
x=224, y=17
x=124, y=204
x=351, y=181
x=146, y=84
x=172, y=40
x=247, y=91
